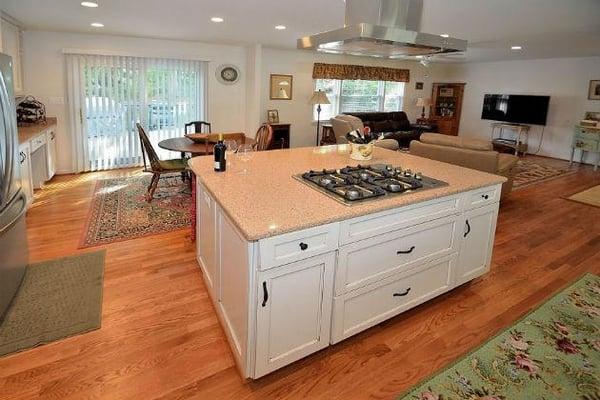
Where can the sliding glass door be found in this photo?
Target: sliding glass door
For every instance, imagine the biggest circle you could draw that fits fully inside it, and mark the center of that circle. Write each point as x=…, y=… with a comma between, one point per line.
x=110, y=94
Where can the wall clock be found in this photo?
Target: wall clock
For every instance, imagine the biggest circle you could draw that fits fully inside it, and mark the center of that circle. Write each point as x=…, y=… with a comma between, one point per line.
x=228, y=74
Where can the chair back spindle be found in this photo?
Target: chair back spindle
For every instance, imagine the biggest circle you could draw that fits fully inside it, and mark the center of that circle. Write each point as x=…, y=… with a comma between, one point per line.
x=264, y=137
x=148, y=149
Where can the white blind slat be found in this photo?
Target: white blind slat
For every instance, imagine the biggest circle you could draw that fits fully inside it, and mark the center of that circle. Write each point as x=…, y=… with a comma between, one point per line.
x=115, y=92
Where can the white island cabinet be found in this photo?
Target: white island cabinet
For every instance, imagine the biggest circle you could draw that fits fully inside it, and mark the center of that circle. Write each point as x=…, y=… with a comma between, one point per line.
x=283, y=293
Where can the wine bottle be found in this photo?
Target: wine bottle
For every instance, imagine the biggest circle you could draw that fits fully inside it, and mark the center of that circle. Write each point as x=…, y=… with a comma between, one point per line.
x=220, y=159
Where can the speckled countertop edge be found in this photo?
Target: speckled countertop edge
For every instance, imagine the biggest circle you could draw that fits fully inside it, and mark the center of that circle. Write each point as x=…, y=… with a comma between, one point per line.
x=317, y=208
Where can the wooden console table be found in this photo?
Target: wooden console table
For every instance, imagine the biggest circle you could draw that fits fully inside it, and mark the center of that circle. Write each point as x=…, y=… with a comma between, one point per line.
x=586, y=139
x=519, y=145
x=281, y=136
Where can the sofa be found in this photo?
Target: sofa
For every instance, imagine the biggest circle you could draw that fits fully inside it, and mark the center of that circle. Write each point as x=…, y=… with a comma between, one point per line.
x=394, y=125
x=343, y=124
x=467, y=152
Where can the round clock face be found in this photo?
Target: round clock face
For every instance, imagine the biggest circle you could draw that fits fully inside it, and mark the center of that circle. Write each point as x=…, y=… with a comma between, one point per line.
x=228, y=74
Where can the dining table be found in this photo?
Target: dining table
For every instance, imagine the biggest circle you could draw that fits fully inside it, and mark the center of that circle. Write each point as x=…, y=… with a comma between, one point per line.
x=184, y=146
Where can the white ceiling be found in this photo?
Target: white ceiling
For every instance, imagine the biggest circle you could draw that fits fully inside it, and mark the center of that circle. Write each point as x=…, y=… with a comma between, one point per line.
x=545, y=28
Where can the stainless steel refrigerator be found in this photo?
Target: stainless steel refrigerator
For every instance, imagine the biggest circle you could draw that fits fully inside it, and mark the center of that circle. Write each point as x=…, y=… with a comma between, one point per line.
x=13, y=236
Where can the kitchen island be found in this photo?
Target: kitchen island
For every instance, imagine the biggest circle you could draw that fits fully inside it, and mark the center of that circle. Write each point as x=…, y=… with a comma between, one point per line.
x=291, y=271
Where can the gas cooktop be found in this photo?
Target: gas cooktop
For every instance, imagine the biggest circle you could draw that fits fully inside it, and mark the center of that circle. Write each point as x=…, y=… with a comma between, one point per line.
x=351, y=185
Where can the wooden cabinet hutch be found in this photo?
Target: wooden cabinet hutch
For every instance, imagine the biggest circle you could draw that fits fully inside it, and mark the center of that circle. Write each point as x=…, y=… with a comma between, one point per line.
x=446, y=106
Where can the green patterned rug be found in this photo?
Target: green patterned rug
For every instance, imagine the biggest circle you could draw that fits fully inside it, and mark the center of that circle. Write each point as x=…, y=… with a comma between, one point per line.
x=551, y=353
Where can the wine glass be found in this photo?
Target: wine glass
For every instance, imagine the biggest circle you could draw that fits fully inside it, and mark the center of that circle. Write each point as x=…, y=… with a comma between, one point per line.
x=231, y=145
x=245, y=153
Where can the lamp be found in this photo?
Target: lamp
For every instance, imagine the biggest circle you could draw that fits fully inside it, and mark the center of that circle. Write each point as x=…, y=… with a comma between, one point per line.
x=319, y=97
x=422, y=102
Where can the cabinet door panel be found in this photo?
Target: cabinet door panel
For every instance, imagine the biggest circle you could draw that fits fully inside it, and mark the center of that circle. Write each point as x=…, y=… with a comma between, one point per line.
x=477, y=242
x=293, y=312
x=206, y=240
x=26, y=174
x=51, y=153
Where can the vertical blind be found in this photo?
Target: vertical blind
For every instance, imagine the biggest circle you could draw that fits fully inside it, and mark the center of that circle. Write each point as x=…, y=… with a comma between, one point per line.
x=108, y=95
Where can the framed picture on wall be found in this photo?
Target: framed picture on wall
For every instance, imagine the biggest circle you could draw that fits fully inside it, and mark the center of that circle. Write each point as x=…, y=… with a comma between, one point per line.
x=281, y=87
x=594, y=91
x=273, y=116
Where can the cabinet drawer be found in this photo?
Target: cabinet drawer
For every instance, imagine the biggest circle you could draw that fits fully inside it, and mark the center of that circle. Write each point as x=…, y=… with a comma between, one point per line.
x=373, y=259
x=295, y=246
x=38, y=142
x=370, y=305
x=483, y=197
x=587, y=133
x=585, y=144
x=387, y=221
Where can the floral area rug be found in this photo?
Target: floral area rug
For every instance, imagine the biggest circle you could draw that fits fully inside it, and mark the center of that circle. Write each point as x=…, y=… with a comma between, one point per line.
x=120, y=212
x=552, y=353
x=530, y=172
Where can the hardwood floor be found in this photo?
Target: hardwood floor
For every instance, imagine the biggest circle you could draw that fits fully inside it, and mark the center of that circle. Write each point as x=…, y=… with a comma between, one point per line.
x=160, y=338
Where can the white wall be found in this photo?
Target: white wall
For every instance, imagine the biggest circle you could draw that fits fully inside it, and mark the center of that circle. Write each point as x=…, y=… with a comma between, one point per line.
x=566, y=80
x=300, y=64
x=44, y=72
x=0, y=32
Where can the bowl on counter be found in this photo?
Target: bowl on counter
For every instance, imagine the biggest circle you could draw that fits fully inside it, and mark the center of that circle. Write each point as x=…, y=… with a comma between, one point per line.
x=361, y=151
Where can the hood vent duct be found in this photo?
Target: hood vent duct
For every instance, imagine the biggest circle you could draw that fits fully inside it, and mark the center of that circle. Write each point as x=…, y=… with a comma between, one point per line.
x=384, y=29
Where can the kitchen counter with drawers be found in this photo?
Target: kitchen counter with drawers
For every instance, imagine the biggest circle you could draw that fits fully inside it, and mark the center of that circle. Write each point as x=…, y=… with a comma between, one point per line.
x=37, y=155
x=314, y=272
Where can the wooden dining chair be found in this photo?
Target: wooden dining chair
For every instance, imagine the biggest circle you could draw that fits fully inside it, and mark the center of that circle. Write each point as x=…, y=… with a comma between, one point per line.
x=157, y=166
x=264, y=137
x=200, y=127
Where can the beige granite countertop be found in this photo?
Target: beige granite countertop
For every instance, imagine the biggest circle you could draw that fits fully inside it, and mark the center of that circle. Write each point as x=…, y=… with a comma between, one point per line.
x=268, y=201
x=26, y=133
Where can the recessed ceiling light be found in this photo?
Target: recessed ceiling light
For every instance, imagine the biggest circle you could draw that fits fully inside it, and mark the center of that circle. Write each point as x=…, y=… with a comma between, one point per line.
x=216, y=19
x=516, y=47
x=444, y=35
x=89, y=4
x=280, y=27
x=97, y=25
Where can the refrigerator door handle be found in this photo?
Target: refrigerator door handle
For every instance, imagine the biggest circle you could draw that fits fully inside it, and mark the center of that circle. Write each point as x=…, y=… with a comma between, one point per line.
x=6, y=228
x=10, y=130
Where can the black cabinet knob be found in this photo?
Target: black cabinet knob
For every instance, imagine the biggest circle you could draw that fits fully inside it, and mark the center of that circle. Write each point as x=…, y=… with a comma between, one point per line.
x=485, y=196
x=303, y=246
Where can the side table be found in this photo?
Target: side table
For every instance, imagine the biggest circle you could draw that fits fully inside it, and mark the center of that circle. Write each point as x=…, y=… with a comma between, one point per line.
x=586, y=139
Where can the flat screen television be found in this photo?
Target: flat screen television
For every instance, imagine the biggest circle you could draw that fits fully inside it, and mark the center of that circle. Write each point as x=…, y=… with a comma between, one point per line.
x=516, y=108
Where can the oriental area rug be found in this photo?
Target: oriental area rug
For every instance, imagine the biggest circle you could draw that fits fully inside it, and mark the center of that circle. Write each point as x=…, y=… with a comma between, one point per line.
x=530, y=172
x=119, y=210
x=551, y=353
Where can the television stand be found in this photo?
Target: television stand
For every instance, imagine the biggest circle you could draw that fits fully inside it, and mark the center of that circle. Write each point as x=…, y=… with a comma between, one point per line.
x=518, y=145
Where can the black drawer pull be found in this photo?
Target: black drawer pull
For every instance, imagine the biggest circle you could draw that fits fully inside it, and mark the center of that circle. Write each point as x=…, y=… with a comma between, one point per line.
x=265, y=294
x=303, y=246
x=405, y=251
x=468, y=228
x=485, y=196
x=402, y=294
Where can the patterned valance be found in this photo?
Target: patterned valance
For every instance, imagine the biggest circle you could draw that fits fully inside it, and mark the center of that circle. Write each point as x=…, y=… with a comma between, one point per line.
x=343, y=71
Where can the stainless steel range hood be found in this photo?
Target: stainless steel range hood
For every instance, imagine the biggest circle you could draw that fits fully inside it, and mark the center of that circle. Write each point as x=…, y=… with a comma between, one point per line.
x=382, y=28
